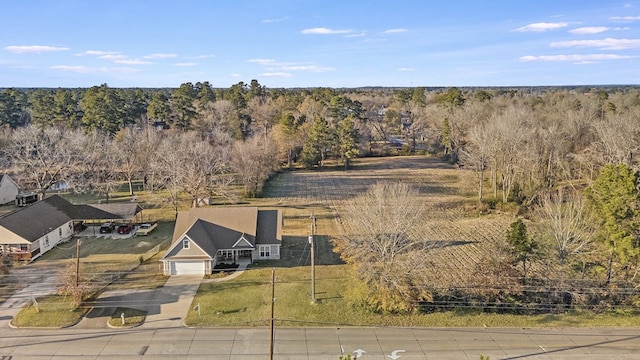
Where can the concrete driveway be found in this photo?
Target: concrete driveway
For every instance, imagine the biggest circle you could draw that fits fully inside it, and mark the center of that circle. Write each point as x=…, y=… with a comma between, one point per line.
x=166, y=307
x=41, y=280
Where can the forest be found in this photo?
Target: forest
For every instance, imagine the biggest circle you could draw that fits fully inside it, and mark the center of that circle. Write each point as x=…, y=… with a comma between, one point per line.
x=562, y=160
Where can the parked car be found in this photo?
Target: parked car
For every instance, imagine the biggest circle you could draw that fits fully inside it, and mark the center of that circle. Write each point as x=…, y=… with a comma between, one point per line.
x=125, y=229
x=107, y=228
x=145, y=229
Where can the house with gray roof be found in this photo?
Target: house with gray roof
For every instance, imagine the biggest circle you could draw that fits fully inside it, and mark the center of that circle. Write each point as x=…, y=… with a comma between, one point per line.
x=35, y=229
x=204, y=237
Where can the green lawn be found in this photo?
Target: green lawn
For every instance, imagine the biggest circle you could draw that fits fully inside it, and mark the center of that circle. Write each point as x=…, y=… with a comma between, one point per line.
x=245, y=301
x=51, y=311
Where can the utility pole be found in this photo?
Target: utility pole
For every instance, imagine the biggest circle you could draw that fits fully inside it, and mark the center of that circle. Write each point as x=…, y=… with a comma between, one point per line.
x=273, y=300
x=313, y=257
x=77, y=262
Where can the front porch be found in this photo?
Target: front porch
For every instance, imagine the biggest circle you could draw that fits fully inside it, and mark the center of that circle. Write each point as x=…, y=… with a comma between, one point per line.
x=234, y=256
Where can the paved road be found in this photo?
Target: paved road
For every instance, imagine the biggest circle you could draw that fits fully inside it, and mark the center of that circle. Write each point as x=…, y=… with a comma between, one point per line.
x=321, y=343
x=164, y=337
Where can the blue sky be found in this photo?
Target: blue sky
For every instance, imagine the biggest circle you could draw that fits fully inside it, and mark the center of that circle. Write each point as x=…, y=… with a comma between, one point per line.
x=286, y=43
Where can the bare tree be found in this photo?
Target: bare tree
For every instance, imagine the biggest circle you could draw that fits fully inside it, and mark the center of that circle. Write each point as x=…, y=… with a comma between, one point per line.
x=186, y=163
x=40, y=156
x=475, y=155
x=203, y=163
x=618, y=139
x=511, y=130
x=166, y=166
x=379, y=238
x=128, y=155
x=254, y=162
x=214, y=117
x=263, y=112
x=566, y=221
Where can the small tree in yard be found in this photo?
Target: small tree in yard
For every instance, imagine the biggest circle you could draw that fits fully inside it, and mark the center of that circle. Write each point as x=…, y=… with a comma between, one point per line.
x=74, y=285
x=523, y=248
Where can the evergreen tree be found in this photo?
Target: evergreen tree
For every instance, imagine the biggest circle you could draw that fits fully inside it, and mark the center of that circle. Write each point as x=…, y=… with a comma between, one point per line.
x=614, y=198
x=523, y=248
x=348, y=140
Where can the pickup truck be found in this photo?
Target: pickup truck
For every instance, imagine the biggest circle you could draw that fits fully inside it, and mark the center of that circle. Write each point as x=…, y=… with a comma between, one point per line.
x=145, y=229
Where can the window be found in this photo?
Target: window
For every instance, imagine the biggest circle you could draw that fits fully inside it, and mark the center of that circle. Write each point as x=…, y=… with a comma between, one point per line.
x=60, y=232
x=265, y=251
x=226, y=254
x=185, y=243
x=46, y=240
x=24, y=248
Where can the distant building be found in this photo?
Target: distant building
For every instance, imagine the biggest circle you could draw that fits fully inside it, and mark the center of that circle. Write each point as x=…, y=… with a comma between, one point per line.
x=8, y=189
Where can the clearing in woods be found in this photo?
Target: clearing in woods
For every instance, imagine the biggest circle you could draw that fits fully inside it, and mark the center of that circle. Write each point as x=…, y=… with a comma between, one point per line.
x=459, y=237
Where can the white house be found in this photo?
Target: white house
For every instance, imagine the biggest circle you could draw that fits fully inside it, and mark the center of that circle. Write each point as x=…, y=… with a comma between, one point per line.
x=204, y=237
x=8, y=189
x=35, y=229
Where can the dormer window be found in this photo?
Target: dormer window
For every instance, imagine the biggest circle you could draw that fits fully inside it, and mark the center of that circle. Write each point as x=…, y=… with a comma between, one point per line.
x=185, y=243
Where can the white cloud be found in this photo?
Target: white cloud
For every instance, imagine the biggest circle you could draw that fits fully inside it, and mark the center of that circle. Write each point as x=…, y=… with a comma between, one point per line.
x=160, y=56
x=395, y=31
x=276, y=74
x=186, y=64
x=205, y=56
x=262, y=61
x=112, y=57
x=603, y=44
x=312, y=68
x=541, y=27
x=132, y=62
x=578, y=58
x=274, y=66
x=625, y=18
x=325, y=31
x=34, y=49
x=98, y=53
x=235, y=75
x=269, y=21
x=405, y=69
x=87, y=70
x=590, y=30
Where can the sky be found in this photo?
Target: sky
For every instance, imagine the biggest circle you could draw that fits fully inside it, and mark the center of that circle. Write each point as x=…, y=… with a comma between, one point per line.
x=319, y=43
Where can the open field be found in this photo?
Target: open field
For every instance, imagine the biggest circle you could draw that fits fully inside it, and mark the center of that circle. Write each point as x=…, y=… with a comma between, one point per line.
x=458, y=234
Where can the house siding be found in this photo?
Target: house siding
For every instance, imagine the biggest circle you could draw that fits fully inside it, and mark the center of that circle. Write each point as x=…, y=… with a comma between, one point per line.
x=8, y=190
x=273, y=252
x=56, y=236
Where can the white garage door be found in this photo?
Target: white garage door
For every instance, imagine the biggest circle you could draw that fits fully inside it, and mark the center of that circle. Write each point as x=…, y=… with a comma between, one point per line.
x=187, y=268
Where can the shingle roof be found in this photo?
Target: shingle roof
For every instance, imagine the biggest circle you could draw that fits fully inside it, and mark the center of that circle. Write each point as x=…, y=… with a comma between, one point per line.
x=123, y=210
x=268, y=227
x=213, y=229
x=34, y=221
x=40, y=218
x=212, y=237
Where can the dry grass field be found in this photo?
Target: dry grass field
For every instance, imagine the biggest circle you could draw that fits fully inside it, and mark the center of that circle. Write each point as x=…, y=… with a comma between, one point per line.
x=458, y=234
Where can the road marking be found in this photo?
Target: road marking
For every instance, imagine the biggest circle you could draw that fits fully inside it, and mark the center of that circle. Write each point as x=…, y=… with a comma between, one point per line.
x=543, y=349
x=394, y=354
x=359, y=353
